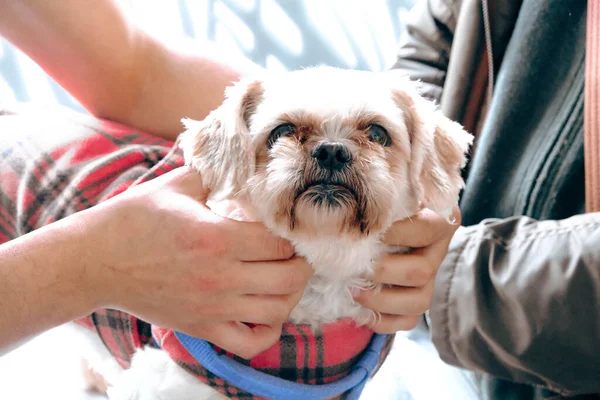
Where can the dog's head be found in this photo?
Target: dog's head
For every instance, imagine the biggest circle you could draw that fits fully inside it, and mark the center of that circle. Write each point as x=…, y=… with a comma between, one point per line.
x=323, y=151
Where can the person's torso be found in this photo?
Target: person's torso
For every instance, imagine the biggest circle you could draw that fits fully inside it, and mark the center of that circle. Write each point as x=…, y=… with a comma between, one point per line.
x=528, y=157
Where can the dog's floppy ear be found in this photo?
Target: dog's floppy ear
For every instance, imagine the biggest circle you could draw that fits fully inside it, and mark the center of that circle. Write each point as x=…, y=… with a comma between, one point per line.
x=219, y=147
x=439, y=149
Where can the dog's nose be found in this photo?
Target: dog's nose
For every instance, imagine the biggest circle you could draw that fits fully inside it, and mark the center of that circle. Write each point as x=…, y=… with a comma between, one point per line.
x=332, y=156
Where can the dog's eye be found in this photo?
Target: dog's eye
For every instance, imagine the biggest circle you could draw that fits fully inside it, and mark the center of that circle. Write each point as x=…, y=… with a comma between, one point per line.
x=378, y=134
x=280, y=131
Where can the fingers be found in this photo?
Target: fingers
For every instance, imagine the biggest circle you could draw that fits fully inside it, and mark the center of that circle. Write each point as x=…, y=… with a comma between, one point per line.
x=398, y=300
x=266, y=309
x=415, y=269
x=258, y=309
x=240, y=339
x=405, y=269
x=421, y=230
x=249, y=241
x=187, y=181
x=389, y=324
x=252, y=241
x=274, y=277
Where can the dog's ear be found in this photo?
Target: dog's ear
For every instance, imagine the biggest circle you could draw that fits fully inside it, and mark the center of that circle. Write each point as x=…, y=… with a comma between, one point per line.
x=439, y=148
x=219, y=147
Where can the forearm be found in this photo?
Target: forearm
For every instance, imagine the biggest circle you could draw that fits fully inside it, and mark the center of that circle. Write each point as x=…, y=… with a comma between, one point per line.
x=183, y=80
x=43, y=281
x=519, y=299
x=115, y=69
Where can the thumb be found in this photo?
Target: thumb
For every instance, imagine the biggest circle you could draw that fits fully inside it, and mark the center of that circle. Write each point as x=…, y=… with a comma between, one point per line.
x=189, y=182
x=243, y=340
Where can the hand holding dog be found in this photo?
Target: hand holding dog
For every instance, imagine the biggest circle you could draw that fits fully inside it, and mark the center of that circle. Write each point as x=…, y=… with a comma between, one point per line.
x=171, y=261
x=412, y=275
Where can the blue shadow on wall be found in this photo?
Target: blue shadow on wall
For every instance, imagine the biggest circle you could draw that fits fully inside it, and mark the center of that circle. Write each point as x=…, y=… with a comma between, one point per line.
x=277, y=34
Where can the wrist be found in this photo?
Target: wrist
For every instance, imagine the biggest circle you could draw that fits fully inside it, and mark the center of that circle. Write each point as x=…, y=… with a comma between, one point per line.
x=96, y=272
x=65, y=249
x=44, y=280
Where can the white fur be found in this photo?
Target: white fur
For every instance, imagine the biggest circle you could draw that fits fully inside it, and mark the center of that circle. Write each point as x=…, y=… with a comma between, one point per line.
x=94, y=352
x=153, y=375
x=224, y=147
x=328, y=294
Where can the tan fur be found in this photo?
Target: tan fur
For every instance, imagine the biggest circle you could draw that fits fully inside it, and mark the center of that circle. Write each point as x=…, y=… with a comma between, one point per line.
x=437, y=154
x=224, y=132
x=273, y=182
x=280, y=183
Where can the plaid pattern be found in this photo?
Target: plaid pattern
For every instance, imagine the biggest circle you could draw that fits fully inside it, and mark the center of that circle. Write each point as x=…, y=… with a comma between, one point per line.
x=40, y=184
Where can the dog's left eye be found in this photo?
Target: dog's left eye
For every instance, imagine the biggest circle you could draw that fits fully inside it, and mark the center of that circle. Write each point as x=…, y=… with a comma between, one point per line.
x=280, y=131
x=378, y=134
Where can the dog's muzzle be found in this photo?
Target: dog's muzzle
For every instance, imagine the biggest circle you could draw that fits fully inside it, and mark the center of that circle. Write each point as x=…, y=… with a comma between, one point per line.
x=328, y=184
x=330, y=195
x=332, y=156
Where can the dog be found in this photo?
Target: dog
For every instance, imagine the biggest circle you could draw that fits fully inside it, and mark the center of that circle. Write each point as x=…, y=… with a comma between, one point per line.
x=328, y=159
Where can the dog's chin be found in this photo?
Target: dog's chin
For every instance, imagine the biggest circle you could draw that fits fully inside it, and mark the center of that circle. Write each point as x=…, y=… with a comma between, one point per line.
x=326, y=210
x=328, y=196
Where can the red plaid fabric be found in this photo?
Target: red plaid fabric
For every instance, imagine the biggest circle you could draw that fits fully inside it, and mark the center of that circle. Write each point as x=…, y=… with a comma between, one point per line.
x=40, y=184
x=301, y=355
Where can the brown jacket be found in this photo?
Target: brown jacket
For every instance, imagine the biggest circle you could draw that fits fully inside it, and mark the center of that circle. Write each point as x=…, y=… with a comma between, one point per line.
x=518, y=296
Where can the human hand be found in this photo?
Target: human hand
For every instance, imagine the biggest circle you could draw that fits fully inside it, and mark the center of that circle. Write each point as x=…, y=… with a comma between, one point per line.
x=171, y=261
x=409, y=278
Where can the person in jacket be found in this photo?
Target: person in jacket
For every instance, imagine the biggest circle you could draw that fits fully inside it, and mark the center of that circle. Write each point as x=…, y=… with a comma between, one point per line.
x=517, y=298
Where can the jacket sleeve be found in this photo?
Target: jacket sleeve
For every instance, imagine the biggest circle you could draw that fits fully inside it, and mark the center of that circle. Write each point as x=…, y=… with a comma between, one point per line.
x=425, y=44
x=520, y=299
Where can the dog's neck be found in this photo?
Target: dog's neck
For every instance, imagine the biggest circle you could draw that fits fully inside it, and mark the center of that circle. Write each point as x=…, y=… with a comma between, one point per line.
x=340, y=258
x=341, y=265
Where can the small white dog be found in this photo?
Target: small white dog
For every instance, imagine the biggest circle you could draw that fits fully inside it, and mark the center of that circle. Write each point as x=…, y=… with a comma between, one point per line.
x=328, y=159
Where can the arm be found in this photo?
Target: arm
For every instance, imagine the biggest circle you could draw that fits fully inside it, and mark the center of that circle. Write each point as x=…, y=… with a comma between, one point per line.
x=520, y=299
x=107, y=256
x=116, y=70
x=42, y=283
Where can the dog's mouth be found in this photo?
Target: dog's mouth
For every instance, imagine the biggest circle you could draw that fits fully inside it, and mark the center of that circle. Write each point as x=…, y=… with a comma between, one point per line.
x=329, y=203
x=330, y=194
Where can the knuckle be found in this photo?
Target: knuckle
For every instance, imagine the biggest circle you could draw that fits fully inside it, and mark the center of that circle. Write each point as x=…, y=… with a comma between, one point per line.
x=457, y=216
x=421, y=273
x=429, y=235
x=277, y=313
x=207, y=284
x=394, y=324
x=202, y=330
x=282, y=311
x=380, y=329
x=363, y=297
x=293, y=281
x=410, y=322
x=260, y=343
x=284, y=248
x=382, y=269
x=234, y=280
x=208, y=239
x=423, y=303
x=246, y=352
x=217, y=281
x=428, y=272
x=391, y=233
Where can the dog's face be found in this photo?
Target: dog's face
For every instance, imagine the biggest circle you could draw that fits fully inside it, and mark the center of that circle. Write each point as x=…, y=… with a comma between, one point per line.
x=329, y=152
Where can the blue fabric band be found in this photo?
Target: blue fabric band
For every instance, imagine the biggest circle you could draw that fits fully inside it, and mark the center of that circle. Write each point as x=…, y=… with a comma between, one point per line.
x=264, y=385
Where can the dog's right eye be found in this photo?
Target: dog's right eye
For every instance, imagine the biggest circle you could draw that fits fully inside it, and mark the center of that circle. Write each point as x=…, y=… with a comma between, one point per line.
x=280, y=131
